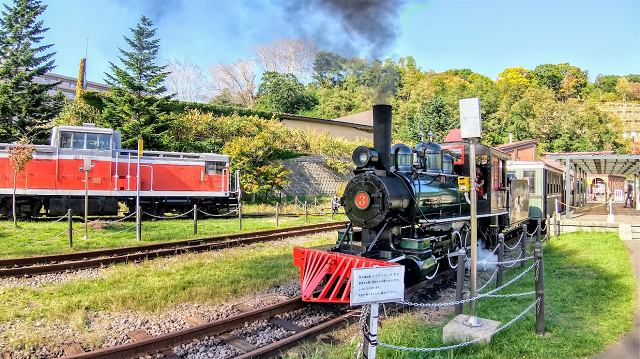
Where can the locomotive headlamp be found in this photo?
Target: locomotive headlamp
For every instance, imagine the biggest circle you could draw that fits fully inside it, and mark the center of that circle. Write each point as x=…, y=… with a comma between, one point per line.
x=364, y=156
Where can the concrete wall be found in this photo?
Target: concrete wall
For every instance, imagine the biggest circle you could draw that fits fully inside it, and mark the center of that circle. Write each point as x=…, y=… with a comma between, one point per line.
x=312, y=177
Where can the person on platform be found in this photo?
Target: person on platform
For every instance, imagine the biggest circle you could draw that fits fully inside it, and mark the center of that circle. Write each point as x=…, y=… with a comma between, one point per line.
x=629, y=197
x=479, y=183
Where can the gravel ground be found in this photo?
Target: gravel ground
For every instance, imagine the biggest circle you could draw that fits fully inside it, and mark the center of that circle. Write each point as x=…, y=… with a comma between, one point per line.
x=40, y=280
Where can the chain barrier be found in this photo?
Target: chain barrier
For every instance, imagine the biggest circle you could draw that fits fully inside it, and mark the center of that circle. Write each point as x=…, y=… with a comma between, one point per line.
x=515, y=245
x=585, y=208
x=512, y=295
x=534, y=232
x=517, y=260
x=424, y=350
x=489, y=281
x=168, y=217
x=468, y=300
x=546, y=224
x=47, y=225
x=217, y=215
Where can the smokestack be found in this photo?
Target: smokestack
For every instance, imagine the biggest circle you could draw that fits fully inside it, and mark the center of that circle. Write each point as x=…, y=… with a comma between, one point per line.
x=510, y=137
x=382, y=134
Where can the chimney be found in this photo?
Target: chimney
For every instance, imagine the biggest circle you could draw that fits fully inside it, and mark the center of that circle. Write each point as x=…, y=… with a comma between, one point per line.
x=382, y=134
x=510, y=137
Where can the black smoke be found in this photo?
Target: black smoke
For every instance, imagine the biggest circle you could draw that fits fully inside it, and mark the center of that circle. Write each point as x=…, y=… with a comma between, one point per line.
x=348, y=27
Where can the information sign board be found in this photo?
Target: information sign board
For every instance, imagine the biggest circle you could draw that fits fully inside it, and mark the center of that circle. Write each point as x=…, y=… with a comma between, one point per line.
x=377, y=285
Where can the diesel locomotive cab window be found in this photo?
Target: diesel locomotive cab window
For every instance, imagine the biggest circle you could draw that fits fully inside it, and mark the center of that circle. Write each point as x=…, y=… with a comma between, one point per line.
x=78, y=141
x=214, y=168
x=92, y=141
x=104, y=141
x=65, y=139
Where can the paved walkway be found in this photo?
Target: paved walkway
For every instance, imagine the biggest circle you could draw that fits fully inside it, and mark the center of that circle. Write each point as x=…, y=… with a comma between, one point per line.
x=629, y=346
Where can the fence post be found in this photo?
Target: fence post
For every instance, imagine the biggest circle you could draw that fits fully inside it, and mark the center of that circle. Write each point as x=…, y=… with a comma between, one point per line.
x=70, y=214
x=371, y=338
x=523, y=244
x=538, y=230
x=195, y=219
x=500, y=259
x=332, y=212
x=240, y=214
x=306, y=213
x=315, y=205
x=277, y=214
x=547, y=235
x=139, y=224
x=539, y=289
x=462, y=257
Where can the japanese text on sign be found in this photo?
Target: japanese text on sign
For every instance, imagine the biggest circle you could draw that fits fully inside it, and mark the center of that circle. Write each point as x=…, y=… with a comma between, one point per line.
x=377, y=285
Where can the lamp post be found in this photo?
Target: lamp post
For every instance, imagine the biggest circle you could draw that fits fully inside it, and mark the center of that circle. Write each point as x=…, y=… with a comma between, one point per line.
x=633, y=140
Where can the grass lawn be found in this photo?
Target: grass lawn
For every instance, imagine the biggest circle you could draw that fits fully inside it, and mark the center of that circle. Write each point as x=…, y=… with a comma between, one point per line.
x=40, y=238
x=590, y=302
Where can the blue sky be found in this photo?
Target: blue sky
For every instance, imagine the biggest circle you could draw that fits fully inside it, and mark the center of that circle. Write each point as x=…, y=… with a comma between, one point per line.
x=487, y=36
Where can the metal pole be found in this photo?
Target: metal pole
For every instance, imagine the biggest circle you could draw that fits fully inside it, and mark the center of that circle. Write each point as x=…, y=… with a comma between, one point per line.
x=70, y=214
x=195, y=219
x=462, y=257
x=523, y=244
x=240, y=214
x=539, y=289
x=306, y=213
x=371, y=338
x=86, y=204
x=277, y=214
x=138, y=181
x=139, y=224
x=472, y=320
x=500, y=259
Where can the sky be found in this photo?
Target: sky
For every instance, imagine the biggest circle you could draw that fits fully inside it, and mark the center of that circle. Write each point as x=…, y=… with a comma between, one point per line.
x=486, y=36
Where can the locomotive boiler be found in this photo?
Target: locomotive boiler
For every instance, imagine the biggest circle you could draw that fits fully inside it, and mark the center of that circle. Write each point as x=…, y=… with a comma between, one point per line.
x=405, y=207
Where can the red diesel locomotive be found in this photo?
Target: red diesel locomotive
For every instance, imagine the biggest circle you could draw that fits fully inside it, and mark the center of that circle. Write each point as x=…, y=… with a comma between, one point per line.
x=53, y=181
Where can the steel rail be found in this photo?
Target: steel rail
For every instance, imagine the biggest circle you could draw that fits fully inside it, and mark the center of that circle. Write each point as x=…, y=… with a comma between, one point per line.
x=171, y=340
x=94, y=259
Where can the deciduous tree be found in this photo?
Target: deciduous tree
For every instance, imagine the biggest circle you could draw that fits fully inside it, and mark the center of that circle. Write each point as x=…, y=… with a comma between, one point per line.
x=185, y=80
x=235, y=82
x=19, y=155
x=295, y=56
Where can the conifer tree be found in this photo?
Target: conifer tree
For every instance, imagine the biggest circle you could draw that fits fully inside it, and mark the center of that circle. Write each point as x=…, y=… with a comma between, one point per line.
x=132, y=106
x=25, y=106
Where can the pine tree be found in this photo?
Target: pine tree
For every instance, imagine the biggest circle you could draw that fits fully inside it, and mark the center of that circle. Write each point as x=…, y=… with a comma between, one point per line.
x=25, y=106
x=131, y=106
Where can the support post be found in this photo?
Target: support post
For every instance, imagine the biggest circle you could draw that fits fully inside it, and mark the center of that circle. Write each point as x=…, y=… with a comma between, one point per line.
x=547, y=235
x=139, y=224
x=277, y=214
x=473, y=321
x=306, y=213
x=539, y=289
x=371, y=338
x=240, y=215
x=86, y=203
x=523, y=244
x=462, y=258
x=195, y=219
x=610, y=218
x=70, y=220
x=500, y=259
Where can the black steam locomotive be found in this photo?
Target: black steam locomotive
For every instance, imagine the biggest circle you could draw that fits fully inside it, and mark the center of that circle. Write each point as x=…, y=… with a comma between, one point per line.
x=405, y=207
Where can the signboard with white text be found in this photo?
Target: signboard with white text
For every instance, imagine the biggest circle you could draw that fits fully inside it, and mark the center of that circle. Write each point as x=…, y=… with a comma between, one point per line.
x=377, y=285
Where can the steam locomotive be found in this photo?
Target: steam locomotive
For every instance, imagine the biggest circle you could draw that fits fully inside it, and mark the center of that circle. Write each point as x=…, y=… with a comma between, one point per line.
x=54, y=181
x=405, y=207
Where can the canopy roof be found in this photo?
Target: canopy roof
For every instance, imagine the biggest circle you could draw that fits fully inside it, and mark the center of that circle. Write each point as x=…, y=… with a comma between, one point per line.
x=599, y=162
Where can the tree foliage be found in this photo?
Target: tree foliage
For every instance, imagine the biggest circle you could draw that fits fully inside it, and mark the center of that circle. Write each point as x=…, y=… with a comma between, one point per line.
x=283, y=93
x=25, y=106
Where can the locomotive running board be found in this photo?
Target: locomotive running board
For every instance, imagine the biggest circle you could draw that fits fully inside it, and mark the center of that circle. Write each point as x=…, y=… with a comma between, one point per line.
x=462, y=218
x=325, y=277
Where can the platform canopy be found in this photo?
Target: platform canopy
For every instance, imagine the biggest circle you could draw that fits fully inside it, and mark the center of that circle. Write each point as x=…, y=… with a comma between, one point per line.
x=610, y=164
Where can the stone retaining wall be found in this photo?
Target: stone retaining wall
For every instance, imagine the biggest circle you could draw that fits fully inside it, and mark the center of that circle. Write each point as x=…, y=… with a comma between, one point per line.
x=312, y=177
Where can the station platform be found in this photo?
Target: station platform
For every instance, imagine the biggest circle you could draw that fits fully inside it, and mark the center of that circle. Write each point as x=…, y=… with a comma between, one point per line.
x=623, y=219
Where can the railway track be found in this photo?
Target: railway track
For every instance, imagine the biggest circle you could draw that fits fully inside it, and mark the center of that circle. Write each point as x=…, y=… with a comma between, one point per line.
x=26, y=266
x=222, y=328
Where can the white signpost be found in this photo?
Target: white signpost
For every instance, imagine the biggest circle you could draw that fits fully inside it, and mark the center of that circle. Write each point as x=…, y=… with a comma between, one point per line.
x=373, y=286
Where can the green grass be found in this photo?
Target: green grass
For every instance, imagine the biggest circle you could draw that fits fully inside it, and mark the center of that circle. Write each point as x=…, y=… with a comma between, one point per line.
x=590, y=302
x=40, y=238
x=211, y=277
